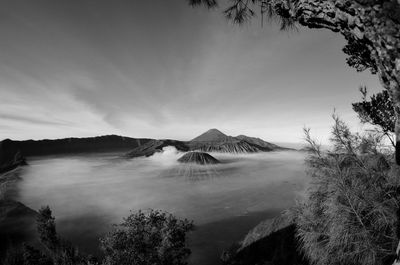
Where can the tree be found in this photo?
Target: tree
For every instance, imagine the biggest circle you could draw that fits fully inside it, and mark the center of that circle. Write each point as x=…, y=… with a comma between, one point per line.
x=60, y=251
x=155, y=238
x=47, y=229
x=377, y=111
x=349, y=215
x=371, y=28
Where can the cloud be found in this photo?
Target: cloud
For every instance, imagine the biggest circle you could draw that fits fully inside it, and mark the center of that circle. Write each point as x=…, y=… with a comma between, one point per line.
x=33, y=120
x=165, y=70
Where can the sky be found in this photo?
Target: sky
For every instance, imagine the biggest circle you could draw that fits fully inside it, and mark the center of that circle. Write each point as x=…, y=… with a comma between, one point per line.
x=162, y=69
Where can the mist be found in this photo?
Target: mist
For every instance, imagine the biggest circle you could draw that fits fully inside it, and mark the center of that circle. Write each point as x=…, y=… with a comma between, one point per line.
x=90, y=193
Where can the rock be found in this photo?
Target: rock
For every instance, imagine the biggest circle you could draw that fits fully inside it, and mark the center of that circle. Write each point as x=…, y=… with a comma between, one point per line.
x=198, y=158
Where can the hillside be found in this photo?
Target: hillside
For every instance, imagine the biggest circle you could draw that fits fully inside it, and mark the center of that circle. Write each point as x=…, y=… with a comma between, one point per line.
x=17, y=225
x=272, y=242
x=198, y=158
x=231, y=146
x=10, y=156
x=13, y=153
x=154, y=146
x=214, y=140
x=258, y=141
x=107, y=143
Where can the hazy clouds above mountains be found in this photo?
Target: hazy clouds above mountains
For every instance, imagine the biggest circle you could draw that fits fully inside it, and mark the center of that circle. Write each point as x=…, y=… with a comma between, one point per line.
x=162, y=69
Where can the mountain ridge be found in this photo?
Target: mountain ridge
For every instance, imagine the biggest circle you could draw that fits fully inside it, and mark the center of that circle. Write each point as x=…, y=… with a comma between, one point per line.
x=13, y=153
x=213, y=140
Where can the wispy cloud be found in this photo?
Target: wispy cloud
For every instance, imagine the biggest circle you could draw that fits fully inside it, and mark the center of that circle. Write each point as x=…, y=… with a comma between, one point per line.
x=32, y=120
x=163, y=69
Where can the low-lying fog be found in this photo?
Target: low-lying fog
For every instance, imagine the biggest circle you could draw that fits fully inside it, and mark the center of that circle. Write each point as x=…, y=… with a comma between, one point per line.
x=88, y=193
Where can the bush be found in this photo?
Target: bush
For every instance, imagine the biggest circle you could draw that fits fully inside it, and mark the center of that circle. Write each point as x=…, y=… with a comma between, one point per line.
x=155, y=238
x=349, y=216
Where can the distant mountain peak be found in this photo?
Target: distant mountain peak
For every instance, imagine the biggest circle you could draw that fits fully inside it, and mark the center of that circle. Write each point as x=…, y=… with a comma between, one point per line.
x=215, y=130
x=212, y=135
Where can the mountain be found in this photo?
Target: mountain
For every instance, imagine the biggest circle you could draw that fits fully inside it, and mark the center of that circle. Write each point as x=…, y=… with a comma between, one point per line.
x=154, y=146
x=258, y=141
x=106, y=143
x=215, y=141
x=198, y=158
x=10, y=156
x=13, y=153
x=212, y=135
x=212, y=140
x=228, y=146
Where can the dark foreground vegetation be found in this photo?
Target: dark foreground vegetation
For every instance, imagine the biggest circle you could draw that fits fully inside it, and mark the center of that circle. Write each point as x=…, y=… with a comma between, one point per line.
x=349, y=216
x=153, y=237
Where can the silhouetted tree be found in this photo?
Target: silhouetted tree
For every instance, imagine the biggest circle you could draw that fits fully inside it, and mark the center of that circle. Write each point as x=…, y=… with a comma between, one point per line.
x=47, y=229
x=378, y=110
x=156, y=238
x=62, y=252
x=371, y=28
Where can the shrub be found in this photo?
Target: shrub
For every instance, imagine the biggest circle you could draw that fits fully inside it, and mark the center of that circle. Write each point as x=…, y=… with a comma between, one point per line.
x=155, y=238
x=349, y=216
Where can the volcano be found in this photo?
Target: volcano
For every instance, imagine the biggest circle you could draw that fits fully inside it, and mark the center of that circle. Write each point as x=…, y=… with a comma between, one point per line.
x=212, y=135
x=198, y=158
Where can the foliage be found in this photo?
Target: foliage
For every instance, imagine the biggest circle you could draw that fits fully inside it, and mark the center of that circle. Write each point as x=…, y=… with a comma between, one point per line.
x=207, y=3
x=378, y=111
x=359, y=55
x=155, y=238
x=241, y=11
x=349, y=216
x=25, y=255
x=60, y=251
x=328, y=14
x=47, y=228
x=35, y=257
x=57, y=251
